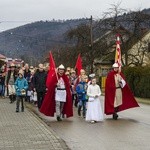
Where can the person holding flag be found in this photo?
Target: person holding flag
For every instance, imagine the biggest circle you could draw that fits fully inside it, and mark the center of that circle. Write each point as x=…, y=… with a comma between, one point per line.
x=118, y=96
x=58, y=97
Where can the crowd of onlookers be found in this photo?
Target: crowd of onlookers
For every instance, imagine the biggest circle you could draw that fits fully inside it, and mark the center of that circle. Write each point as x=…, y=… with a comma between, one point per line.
x=10, y=83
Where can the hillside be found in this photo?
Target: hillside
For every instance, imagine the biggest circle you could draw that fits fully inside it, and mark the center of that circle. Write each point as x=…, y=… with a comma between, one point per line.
x=36, y=39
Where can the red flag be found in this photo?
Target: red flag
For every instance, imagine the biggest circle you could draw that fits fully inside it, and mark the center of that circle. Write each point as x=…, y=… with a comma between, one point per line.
x=118, y=52
x=78, y=64
x=52, y=70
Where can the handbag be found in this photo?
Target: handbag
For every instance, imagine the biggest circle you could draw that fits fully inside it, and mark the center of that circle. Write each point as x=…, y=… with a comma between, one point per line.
x=23, y=92
x=91, y=99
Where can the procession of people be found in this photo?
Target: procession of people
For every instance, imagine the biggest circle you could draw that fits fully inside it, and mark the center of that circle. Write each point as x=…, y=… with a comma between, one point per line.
x=61, y=91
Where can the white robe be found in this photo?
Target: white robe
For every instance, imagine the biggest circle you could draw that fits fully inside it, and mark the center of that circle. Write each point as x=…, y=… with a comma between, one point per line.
x=94, y=108
x=60, y=95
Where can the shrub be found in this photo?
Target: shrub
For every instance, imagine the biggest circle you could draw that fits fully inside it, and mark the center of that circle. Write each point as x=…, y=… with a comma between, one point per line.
x=138, y=79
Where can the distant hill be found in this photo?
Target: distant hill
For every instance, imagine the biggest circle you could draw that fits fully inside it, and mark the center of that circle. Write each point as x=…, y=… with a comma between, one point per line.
x=32, y=41
x=147, y=11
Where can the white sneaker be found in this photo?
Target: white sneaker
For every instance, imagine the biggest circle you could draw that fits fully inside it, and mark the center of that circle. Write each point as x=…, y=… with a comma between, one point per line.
x=92, y=121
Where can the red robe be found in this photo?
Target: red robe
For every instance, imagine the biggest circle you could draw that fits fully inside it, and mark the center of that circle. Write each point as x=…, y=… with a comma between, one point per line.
x=128, y=100
x=48, y=105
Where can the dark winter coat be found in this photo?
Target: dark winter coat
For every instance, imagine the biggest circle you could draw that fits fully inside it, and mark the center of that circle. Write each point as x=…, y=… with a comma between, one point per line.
x=40, y=81
x=27, y=75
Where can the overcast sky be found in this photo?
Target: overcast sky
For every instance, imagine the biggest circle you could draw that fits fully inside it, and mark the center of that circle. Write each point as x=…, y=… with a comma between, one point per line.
x=14, y=13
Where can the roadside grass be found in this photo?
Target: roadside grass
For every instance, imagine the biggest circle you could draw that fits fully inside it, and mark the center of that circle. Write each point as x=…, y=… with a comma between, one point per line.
x=143, y=100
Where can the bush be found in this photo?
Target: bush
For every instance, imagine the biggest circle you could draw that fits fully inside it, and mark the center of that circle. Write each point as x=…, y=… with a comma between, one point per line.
x=138, y=79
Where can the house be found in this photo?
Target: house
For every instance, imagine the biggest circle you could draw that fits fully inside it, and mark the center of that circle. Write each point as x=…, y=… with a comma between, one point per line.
x=139, y=53
x=103, y=64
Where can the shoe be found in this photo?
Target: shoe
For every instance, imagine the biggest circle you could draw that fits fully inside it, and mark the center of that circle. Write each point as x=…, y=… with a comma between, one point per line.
x=17, y=111
x=79, y=113
x=59, y=119
x=115, y=116
x=22, y=110
x=92, y=121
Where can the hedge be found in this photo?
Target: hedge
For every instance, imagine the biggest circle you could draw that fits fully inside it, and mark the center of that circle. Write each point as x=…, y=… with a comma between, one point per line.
x=138, y=79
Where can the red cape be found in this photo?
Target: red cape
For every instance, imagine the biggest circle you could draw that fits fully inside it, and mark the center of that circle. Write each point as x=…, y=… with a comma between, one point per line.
x=127, y=96
x=48, y=105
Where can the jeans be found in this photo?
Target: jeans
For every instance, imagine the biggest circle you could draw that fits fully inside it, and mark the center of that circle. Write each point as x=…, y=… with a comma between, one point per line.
x=2, y=89
x=82, y=103
x=20, y=98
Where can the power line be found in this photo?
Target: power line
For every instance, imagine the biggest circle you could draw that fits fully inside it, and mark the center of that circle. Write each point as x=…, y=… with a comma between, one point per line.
x=15, y=21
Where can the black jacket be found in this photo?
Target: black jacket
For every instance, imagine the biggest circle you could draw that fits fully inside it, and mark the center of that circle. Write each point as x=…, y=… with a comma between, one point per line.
x=40, y=81
x=27, y=75
x=8, y=76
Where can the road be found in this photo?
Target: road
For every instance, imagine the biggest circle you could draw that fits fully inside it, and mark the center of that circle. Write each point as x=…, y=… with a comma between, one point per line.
x=129, y=132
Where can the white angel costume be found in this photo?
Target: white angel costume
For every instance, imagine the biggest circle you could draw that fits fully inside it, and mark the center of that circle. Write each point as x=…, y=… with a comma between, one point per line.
x=94, y=108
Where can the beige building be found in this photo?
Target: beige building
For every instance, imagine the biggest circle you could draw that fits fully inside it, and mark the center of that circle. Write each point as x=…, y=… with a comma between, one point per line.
x=139, y=53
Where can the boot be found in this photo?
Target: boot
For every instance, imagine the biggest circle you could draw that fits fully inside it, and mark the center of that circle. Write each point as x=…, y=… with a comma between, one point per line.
x=79, y=111
x=14, y=97
x=58, y=118
x=115, y=116
x=17, y=109
x=11, y=98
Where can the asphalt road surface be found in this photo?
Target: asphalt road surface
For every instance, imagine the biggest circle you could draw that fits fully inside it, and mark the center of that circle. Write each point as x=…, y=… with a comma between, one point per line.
x=130, y=132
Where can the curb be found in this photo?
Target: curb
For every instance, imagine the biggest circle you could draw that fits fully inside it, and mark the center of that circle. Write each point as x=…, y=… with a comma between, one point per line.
x=33, y=110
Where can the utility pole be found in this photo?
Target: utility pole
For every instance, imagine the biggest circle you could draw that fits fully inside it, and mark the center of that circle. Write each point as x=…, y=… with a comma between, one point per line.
x=91, y=32
x=91, y=44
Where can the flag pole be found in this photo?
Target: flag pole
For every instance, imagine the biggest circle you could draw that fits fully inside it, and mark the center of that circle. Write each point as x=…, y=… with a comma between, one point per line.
x=118, y=52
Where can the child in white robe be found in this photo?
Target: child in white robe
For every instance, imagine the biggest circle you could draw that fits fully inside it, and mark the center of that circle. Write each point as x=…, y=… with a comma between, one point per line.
x=94, y=108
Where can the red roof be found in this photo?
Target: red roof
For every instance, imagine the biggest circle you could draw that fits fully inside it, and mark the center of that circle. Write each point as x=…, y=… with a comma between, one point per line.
x=2, y=56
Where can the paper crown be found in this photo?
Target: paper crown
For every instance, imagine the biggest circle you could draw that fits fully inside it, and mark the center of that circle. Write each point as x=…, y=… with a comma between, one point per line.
x=92, y=75
x=61, y=67
x=115, y=65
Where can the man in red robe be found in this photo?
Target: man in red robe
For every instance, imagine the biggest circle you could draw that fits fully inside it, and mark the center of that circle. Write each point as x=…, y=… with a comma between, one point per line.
x=58, y=97
x=118, y=96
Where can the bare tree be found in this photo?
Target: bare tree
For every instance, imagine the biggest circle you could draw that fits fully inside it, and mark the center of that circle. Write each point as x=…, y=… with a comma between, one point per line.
x=133, y=24
x=116, y=20
x=140, y=54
